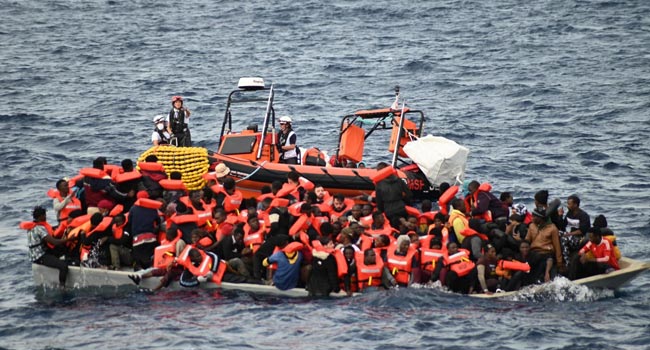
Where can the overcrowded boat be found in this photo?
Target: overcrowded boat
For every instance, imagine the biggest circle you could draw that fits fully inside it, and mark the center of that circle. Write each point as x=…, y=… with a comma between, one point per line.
x=263, y=215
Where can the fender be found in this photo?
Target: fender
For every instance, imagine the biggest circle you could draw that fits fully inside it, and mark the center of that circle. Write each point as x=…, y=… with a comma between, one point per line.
x=382, y=174
x=445, y=198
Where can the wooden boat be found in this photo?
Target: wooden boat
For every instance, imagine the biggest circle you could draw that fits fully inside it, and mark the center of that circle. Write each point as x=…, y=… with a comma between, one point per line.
x=630, y=269
x=254, y=162
x=86, y=277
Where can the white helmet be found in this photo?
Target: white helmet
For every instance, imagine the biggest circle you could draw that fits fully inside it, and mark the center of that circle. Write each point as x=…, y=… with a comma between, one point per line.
x=158, y=119
x=285, y=119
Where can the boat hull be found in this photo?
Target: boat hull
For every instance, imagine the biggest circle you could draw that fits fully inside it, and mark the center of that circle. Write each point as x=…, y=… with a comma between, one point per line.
x=630, y=269
x=251, y=176
x=83, y=277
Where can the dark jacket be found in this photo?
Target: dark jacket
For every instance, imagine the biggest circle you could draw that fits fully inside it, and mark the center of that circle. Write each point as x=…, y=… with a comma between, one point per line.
x=324, y=275
x=392, y=195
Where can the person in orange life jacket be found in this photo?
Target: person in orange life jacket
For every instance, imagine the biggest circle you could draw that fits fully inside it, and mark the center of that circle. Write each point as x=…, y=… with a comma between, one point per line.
x=178, y=123
x=37, y=238
x=145, y=224
x=382, y=242
x=278, y=236
x=488, y=280
x=130, y=187
x=65, y=202
x=437, y=227
x=231, y=249
x=96, y=189
x=456, y=283
x=596, y=257
x=387, y=279
x=402, y=250
x=392, y=195
x=224, y=228
x=322, y=195
x=575, y=226
x=355, y=213
x=230, y=195
x=287, y=142
x=350, y=278
x=459, y=222
x=94, y=240
x=544, y=244
x=151, y=179
x=160, y=135
x=410, y=224
x=439, y=272
x=171, y=196
x=484, y=201
x=323, y=271
x=520, y=279
x=119, y=243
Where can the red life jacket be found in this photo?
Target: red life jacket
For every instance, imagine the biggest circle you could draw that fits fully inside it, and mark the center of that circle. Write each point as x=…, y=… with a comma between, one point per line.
x=514, y=265
x=400, y=266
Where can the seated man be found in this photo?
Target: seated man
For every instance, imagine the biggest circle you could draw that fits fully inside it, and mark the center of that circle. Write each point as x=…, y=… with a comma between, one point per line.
x=594, y=258
x=289, y=262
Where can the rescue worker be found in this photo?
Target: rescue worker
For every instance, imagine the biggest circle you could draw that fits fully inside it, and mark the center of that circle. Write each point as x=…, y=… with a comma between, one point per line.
x=287, y=142
x=178, y=123
x=392, y=196
x=160, y=134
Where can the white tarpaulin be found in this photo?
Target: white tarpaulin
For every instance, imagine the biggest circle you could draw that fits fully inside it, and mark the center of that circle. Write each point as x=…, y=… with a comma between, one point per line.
x=440, y=159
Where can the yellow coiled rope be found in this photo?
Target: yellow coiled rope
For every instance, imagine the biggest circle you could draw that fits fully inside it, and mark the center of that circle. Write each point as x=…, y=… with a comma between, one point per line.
x=192, y=162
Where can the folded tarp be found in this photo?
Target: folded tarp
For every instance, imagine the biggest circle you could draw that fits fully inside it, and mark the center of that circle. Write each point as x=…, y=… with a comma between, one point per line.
x=440, y=159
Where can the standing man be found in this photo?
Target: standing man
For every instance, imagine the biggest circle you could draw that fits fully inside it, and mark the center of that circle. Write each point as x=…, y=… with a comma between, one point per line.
x=178, y=123
x=392, y=196
x=287, y=142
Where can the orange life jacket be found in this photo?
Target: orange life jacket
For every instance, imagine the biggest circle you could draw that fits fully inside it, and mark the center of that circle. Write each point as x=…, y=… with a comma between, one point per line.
x=341, y=264
x=206, y=265
x=382, y=174
x=165, y=253
x=400, y=266
x=429, y=258
x=202, y=215
x=172, y=185
x=151, y=166
x=254, y=240
x=445, y=199
x=73, y=204
x=460, y=263
x=513, y=265
x=368, y=275
x=128, y=176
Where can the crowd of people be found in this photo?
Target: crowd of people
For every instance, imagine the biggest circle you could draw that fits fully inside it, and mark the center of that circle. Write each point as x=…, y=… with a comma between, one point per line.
x=297, y=234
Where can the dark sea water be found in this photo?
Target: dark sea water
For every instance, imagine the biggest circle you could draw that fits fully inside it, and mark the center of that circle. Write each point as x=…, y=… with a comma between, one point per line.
x=546, y=95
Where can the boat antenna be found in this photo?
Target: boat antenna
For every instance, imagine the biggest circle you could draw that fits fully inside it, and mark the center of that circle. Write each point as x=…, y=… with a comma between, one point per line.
x=401, y=130
x=267, y=115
